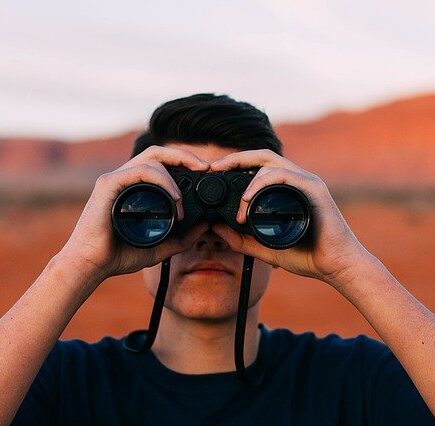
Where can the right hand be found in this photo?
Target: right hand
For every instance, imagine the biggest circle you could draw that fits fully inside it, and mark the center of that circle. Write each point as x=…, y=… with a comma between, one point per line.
x=93, y=245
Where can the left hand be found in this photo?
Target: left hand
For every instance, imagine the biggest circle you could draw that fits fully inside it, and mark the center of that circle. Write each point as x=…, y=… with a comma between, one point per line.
x=334, y=249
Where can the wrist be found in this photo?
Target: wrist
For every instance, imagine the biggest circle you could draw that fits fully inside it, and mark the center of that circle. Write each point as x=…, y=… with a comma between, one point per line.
x=350, y=278
x=363, y=280
x=77, y=274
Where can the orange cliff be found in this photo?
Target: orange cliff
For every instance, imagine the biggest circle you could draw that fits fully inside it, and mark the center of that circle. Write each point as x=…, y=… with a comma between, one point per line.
x=391, y=145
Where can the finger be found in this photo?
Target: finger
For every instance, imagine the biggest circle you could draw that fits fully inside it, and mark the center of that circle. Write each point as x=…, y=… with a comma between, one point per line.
x=249, y=159
x=177, y=245
x=244, y=244
x=270, y=176
x=116, y=181
x=161, y=168
x=244, y=205
x=170, y=157
x=236, y=241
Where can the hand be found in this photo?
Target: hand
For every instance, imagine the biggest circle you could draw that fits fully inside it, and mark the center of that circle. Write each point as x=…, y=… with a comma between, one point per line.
x=332, y=249
x=93, y=244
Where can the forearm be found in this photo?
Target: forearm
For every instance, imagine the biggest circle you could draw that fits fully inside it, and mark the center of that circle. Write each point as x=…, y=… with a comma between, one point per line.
x=405, y=325
x=31, y=327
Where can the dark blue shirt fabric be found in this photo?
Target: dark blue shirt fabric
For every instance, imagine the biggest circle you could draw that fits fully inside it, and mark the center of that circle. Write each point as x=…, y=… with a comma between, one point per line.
x=307, y=381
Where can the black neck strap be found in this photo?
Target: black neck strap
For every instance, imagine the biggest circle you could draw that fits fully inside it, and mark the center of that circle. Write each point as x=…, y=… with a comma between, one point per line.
x=256, y=377
x=142, y=340
x=159, y=302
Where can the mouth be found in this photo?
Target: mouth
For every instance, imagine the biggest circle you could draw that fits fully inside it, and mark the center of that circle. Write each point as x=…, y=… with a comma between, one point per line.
x=214, y=272
x=209, y=268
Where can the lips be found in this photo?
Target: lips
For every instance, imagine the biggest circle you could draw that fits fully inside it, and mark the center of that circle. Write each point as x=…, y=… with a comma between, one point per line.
x=209, y=267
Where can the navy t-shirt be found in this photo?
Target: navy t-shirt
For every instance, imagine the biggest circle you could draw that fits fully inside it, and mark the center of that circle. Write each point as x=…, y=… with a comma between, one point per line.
x=307, y=381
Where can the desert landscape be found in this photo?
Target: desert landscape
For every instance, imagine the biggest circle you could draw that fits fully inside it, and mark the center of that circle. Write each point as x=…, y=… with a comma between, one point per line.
x=378, y=163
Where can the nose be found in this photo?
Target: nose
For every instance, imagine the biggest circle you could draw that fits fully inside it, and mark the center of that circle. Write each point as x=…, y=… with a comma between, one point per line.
x=211, y=242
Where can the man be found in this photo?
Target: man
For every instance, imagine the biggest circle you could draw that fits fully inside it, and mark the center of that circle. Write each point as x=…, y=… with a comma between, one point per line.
x=188, y=377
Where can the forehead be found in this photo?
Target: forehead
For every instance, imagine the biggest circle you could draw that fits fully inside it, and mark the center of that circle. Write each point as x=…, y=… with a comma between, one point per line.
x=208, y=151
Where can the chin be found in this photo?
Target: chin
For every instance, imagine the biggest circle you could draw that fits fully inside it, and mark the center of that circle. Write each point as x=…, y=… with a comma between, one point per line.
x=206, y=315
x=205, y=305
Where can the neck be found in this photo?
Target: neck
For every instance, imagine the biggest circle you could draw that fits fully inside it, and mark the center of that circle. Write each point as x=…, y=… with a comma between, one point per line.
x=193, y=346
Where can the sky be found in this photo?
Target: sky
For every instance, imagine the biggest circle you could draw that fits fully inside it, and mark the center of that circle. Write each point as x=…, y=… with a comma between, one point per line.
x=87, y=68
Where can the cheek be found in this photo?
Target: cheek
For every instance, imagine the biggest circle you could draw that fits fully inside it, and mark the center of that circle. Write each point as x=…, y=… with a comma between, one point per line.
x=151, y=277
x=259, y=281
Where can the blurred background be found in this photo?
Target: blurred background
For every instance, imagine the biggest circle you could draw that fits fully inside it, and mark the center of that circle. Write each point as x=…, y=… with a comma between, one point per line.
x=349, y=86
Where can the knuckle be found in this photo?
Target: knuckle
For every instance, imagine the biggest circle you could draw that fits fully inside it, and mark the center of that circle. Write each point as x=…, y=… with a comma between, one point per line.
x=183, y=151
x=141, y=172
x=267, y=152
x=314, y=179
x=103, y=180
x=155, y=164
x=153, y=150
x=315, y=182
x=266, y=169
x=230, y=156
x=141, y=169
x=262, y=180
x=322, y=185
x=280, y=171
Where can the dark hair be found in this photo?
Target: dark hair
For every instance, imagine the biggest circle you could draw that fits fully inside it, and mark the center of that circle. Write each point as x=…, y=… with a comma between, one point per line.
x=209, y=118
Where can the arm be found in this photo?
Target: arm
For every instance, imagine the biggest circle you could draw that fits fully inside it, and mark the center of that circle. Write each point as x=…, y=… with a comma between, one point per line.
x=31, y=327
x=335, y=256
x=405, y=325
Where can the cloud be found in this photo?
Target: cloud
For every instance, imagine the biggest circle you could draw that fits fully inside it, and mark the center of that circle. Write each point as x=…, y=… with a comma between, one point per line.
x=109, y=67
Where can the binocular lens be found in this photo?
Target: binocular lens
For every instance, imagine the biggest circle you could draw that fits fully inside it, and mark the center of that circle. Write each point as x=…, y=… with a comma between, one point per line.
x=279, y=216
x=143, y=215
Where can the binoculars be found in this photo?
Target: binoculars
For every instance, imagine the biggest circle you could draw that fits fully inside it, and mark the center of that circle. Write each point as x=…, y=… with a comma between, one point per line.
x=144, y=214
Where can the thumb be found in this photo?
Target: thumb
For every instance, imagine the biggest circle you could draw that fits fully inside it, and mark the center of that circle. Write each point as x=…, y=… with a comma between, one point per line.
x=246, y=244
x=176, y=245
x=238, y=242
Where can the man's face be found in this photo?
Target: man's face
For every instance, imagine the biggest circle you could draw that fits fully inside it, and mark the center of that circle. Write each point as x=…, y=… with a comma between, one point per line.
x=204, y=281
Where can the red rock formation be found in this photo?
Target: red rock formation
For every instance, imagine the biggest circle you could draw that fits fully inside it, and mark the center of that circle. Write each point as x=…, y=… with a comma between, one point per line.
x=392, y=145
x=389, y=146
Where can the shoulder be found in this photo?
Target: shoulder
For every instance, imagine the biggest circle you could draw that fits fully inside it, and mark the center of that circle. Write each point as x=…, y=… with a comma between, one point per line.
x=360, y=364
x=359, y=374
x=328, y=347
x=80, y=348
x=353, y=360
x=71, y=356
x=107, y=345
